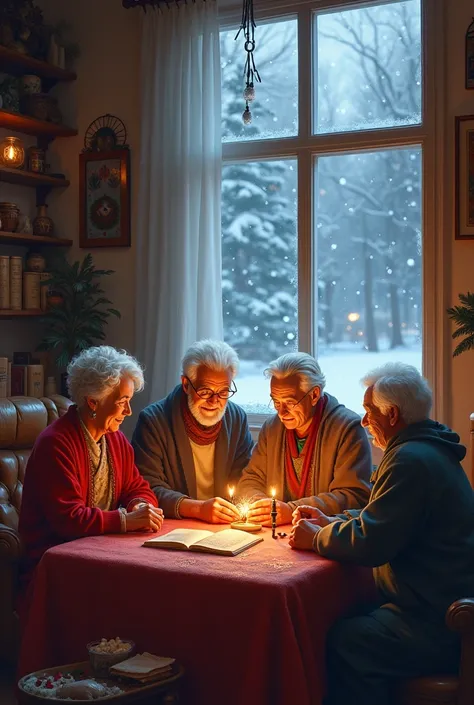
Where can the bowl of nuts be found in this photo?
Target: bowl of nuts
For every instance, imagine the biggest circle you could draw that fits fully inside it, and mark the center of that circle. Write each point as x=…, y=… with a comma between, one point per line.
x=107, y=652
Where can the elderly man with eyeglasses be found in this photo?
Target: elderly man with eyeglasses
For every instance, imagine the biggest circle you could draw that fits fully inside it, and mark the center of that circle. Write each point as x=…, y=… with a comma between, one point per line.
x=192, y=445
x=314, y=451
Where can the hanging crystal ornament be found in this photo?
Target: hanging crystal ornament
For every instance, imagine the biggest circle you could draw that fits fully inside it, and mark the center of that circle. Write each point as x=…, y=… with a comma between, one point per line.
x=247, y=116
x=247, y=26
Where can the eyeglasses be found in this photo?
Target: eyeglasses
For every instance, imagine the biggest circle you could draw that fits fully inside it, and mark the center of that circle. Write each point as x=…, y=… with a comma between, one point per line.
x=290, y=404
x=206, y=393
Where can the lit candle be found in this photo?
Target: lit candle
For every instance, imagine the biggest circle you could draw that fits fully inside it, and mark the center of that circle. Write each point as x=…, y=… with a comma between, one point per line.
x=273, y=492
x=231, y=491
x=244, y=510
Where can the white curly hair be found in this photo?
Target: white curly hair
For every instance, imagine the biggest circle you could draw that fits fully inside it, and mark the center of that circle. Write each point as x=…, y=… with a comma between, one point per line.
x=96, y=371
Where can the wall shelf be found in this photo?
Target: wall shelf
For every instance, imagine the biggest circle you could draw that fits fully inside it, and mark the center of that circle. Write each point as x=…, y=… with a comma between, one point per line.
x=30, y=178
x=30, y=126
x=15, y=63
x=22, y=239
x=30, y=313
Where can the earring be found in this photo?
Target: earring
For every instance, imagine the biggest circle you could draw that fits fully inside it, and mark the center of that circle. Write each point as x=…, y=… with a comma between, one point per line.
x=92, y=414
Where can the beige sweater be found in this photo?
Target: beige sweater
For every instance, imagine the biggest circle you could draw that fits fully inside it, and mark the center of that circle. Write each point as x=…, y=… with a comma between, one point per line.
x=342, y=462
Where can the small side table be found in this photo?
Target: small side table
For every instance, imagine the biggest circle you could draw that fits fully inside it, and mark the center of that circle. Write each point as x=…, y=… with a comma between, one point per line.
x=164, y=692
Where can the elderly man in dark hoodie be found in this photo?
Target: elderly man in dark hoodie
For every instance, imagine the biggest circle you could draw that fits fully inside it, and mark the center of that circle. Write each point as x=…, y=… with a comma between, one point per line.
x=312, y=451
x=417, y=532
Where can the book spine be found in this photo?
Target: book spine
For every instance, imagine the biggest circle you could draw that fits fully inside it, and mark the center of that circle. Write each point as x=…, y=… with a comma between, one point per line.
x=4, y=282
x=18, y=377
x=44, y=276
x=16, y=281
x=3, y=377
x=31, y=290
x=35, y=383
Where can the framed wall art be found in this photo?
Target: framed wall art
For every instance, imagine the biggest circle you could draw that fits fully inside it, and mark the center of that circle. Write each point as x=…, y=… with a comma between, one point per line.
x=464, y=178
x=104, y=199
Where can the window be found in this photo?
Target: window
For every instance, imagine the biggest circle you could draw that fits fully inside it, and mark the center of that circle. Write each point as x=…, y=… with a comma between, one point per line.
x=322, y=195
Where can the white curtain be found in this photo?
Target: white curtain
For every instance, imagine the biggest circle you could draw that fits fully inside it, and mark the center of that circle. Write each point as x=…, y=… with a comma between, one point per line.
x=179, y=219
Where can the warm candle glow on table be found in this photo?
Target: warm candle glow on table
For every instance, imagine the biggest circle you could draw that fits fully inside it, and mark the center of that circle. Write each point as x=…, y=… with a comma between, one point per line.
x=244, y=510
x=244, y=524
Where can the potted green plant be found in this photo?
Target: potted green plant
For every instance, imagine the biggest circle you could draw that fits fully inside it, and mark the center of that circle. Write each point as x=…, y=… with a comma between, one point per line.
x=77, y=312
x=463, y=316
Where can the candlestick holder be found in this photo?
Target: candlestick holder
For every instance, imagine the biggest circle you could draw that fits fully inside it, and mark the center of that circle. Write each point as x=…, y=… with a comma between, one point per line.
x=273, y=515
x=246, y=526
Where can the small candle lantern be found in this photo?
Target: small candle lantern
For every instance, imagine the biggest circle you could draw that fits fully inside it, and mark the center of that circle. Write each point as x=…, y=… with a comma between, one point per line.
x=12, y=152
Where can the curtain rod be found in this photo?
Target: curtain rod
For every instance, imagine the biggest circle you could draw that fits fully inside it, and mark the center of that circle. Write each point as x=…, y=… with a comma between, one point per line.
x=128, y=4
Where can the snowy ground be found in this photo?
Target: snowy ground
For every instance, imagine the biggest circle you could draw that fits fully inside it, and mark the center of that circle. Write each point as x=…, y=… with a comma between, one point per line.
x=343, y=369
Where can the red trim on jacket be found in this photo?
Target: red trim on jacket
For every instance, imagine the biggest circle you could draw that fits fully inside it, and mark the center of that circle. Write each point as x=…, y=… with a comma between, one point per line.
x=55, y=505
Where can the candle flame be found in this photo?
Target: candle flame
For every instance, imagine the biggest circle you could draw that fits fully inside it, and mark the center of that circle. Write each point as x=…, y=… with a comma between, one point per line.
x=273, y=492
x=11, y=153
x=244, y=510
x=231, y=491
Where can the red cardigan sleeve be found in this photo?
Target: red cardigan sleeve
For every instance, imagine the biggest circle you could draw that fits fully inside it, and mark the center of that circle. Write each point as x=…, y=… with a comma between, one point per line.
x=62, y=496
x=134, y=487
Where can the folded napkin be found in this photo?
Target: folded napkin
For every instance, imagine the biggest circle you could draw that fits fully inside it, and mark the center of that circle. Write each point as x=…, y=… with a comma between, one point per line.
x=144, y=667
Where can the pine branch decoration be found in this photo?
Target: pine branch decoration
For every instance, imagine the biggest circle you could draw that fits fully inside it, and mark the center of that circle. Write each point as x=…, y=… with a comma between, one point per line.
x=463, y=317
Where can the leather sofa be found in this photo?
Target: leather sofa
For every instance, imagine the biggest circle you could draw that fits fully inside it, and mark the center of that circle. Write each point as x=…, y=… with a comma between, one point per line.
x=21, y=420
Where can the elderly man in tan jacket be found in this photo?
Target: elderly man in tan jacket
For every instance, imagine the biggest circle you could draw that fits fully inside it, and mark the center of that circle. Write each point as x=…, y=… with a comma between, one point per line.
x=314, y=451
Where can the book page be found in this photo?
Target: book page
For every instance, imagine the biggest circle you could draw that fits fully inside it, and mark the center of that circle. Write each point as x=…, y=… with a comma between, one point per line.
x=178, y=538
x=228, y=542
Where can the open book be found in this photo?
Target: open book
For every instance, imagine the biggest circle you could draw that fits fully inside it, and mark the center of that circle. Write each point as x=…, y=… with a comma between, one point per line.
x=228, y=542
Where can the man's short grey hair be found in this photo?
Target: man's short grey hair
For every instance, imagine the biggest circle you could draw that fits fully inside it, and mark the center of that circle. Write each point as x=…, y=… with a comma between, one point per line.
x=297, y=363
x=400, y=385
x=214, y=354
x=96, y=371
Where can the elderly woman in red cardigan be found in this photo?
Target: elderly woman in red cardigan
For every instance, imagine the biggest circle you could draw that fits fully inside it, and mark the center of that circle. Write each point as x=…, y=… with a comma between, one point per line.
x=81, y=478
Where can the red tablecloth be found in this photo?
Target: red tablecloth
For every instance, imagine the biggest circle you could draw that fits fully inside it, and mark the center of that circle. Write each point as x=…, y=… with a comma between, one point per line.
x=249, y=629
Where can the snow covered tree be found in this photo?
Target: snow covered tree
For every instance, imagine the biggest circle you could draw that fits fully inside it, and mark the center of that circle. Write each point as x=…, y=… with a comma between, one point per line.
x=259, y=249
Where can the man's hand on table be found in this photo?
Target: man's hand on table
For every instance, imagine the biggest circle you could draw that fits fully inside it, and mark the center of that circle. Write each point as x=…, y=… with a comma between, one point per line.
x=307, y=522
x=259, y=512
x=312, y=514
x=213, y=511
x=218, y=511
x=302, y=535
x=144, y=517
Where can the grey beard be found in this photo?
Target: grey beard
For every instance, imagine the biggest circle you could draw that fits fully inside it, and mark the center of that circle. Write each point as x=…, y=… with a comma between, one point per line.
x=200, y=418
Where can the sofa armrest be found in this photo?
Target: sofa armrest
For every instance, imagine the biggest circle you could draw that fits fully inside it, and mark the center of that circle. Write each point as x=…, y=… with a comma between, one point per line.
x=460, y=616
x=10, y=545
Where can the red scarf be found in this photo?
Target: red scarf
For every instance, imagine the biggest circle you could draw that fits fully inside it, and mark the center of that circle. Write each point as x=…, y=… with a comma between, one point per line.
x=298, y=488
x=201, y=435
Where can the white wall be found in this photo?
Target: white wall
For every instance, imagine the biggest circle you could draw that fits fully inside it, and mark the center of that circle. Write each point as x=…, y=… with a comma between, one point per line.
x=107, y=82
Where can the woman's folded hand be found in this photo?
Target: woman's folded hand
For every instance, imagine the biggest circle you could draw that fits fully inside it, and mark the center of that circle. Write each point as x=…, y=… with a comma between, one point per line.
x=145, y=518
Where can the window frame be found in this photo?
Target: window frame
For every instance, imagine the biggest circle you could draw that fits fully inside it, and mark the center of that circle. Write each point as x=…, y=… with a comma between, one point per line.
x=306, y=148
